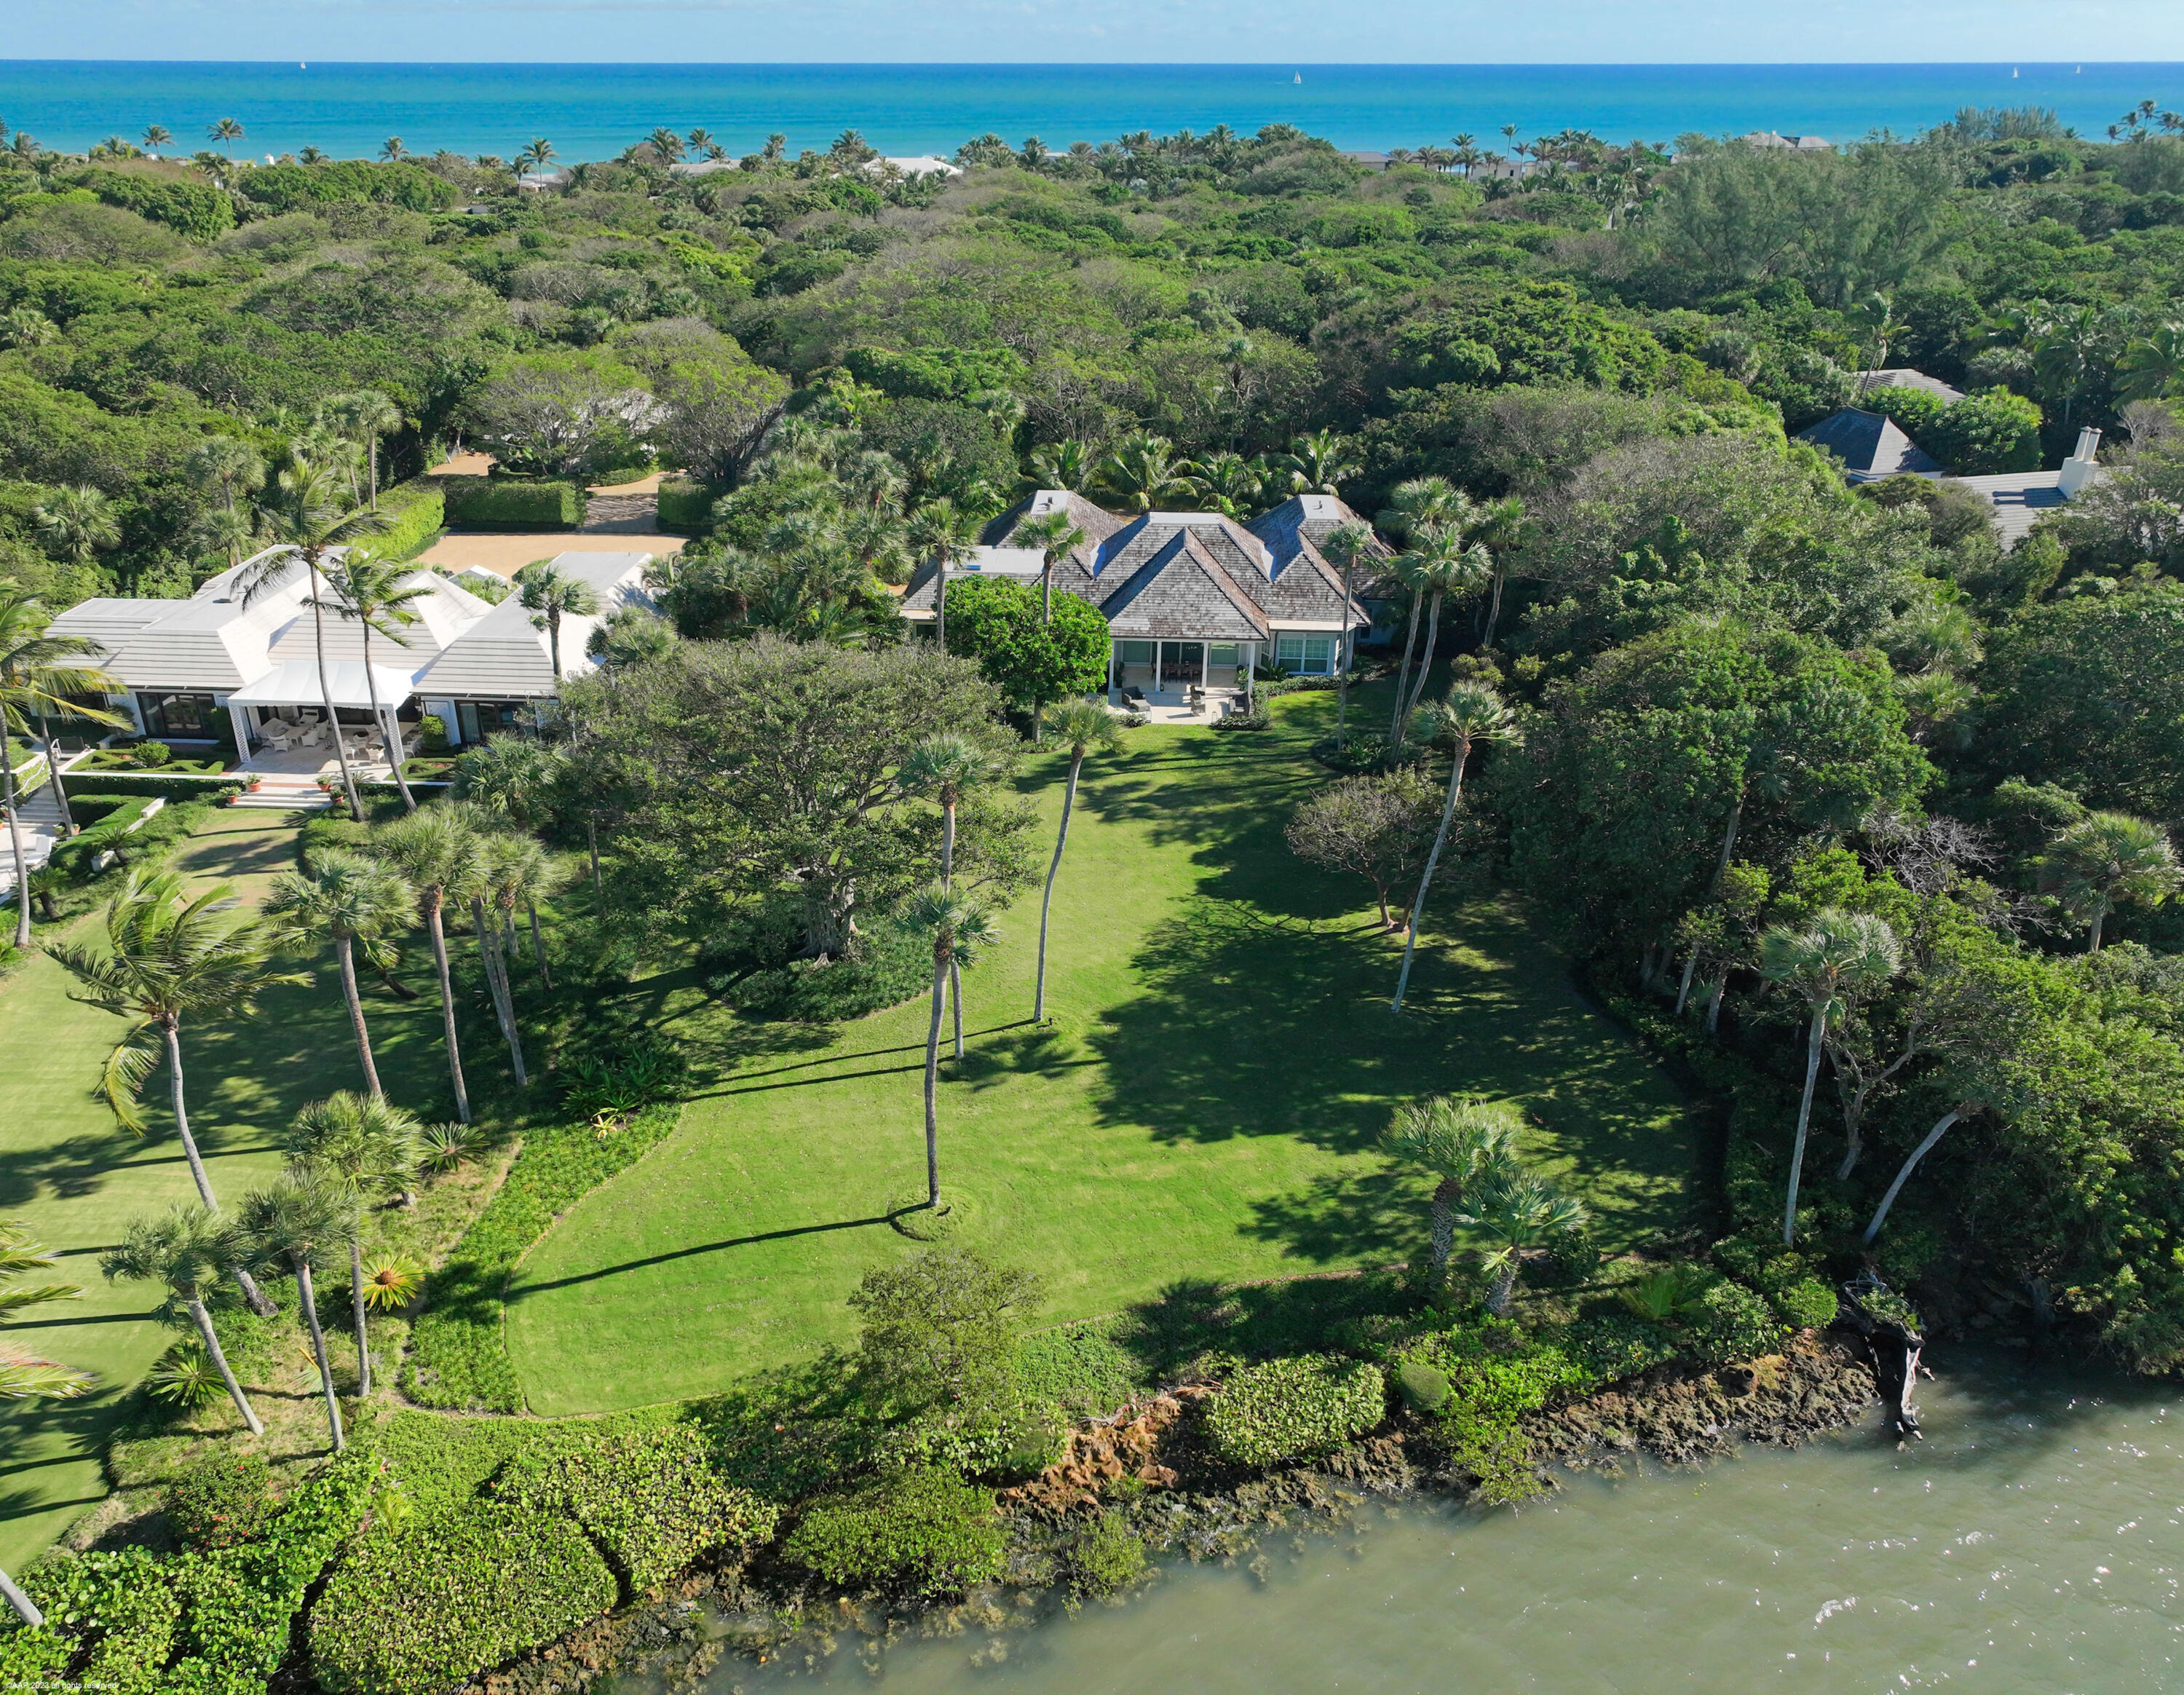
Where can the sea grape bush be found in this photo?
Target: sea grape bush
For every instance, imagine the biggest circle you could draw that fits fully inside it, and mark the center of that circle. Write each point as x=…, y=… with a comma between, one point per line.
x=1292, y=1409
x=922, y=1529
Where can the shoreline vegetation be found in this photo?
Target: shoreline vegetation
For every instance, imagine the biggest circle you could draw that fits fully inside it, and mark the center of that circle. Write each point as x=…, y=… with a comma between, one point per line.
x=823, y=1128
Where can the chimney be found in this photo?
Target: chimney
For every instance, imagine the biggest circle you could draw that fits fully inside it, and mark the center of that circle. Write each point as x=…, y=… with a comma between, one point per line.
x=2078, y=470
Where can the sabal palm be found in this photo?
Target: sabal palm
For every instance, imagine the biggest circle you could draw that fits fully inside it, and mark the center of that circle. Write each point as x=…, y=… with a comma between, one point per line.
x=1496, y=527
x=1055, y=534
x=1473, y=716
x=378, y=596
x=1414, y=508
x=946, y=768
x=1840, y=956
x=39, y=674
x=168, y=955
x=2104, y=860
x=354, y=901
x=1322, y=461
x=1084, y=728
x=228, y=464
x=1070, y=464
x=182, y=1250
x=1459, y=1141
x=1517, y=1210
x=433, y=849
x=363, y=417
x=939, y=532
x=550, y=596
x=1144, y=470
x=1441, y=563
x=307, y=525
x=1343, y=547
x=372, y=1149
x=76, y=523
x=959, y=928
x=504, y=870
x=295, y=1219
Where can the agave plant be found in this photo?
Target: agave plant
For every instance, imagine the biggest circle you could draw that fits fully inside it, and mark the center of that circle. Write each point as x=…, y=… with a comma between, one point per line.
x=391, y=1281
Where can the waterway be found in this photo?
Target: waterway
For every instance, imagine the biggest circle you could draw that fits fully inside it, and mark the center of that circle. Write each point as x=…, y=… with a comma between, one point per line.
x=2033, y=1542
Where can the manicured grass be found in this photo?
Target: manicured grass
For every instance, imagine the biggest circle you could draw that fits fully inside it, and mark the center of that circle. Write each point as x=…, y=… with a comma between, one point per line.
x=76, y=1180
x=1204, y=1104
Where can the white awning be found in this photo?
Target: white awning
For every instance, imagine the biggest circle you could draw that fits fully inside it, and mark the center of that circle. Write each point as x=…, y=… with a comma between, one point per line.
x=296, y=683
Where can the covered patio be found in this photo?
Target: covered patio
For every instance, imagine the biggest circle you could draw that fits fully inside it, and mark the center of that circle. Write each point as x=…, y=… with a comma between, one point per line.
x=281, y=722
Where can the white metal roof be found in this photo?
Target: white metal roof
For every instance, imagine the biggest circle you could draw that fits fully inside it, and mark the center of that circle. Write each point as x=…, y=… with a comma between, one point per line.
x=296, y=683
x=504, y=656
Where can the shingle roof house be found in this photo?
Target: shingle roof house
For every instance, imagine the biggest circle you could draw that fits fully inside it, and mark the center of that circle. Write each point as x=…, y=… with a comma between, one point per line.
x=1871, y=446
x=1189, y=597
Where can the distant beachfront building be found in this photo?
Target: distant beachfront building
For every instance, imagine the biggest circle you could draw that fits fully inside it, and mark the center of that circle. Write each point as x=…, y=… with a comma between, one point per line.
x=1768, y=138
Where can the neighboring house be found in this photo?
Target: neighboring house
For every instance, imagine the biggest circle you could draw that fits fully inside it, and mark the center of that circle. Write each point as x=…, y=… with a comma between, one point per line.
x=1190, y=598
x=1902, y=377
x=924, y=166
x=702, y=167
x=1768, y=138
x=2019, y=499
x=210, y=669
x=1870, y=445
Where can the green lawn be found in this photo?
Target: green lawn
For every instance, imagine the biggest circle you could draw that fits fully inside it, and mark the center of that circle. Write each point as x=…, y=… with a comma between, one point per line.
x=75, y=1180
x=1204, y=1104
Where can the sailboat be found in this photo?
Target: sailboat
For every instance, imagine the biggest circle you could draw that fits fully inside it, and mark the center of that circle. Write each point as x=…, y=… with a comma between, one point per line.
x=1299, y=77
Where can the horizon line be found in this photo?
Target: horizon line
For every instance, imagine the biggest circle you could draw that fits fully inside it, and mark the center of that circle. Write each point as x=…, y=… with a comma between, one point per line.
x=1047, y=63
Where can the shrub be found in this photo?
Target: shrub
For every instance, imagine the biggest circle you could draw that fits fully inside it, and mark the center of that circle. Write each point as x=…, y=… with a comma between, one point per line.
x=150, y=755
x=1806, y=1304
x=1299, y=1409
x=1008, y=1443
x=1081, y=1368
x=227, y=1498
x=184, y=1377
x=1105, y=1558
x=1256, y=718
x=1612, y=1347
x=652, y=1500
x=419, y=1609
x=614, y=1088
x=685, y=508
x=1424, y=1388
x=501, y=503
x=1732, y=1323
x=111, y=1622
x=432, y=733
x=923, y=1528
x=940, y=1331
x=414, y=512
x=1669, y=1295
x=1497, y=1374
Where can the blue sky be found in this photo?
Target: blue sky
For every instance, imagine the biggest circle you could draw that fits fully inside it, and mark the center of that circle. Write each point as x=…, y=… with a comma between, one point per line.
x=1225, y=31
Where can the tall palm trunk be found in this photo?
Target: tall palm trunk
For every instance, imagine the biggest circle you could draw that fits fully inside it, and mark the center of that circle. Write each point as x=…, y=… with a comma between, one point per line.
x=1426, y=659
x=503, y=1004
x=941, y=961
x=16, y=841
x=53, y=775
x=1903, y=1174
x=1714, y=1003
x=1346, y=653
x=2094, y=941
x=310, y=1302
x=26, y=1609
x=374, y=451
x=1046, y=902
x=392, y=734
x=591, y=844
x=203, y=1320
x=554, y=642
x=1493, y=610
x=327, y=693
x=1443, y=1223
x=1403, y=674
x=438, y=931
x=1425, y=880
x=538, y=948
x=357, y=1312
x=940, y=606
x=1505, y=1284
x=1804, y=1121
x=948, y=880
x=345, y=952
x=171, y=1028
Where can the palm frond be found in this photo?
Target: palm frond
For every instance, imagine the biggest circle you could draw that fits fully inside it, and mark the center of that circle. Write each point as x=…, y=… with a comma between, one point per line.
x=25, y=1376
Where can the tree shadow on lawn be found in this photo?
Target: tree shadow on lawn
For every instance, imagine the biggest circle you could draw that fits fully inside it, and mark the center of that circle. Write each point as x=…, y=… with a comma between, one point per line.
x=69, y=1170
x=1193, y=1316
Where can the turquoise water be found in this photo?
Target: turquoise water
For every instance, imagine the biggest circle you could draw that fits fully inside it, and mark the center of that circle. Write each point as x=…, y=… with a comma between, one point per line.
x=594, y=111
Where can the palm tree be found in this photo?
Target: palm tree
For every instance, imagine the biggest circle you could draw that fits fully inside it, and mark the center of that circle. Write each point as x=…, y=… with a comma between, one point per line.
x=1472, y=716
x=365, y=416
x=38, y=677
x=354, y=901
x=700, y=142
x=1070, y=466
x=1055, y=535
x=1320, y=461
x=168, y=955
x=550, y=595
x=432, y=849
x=1459, y=1141
x=667, y=143
x=377, y=595
x=499, y=869
x=2103, y=859
x=1828, y=966
x=1411, y=510
x=941, y=533
x=520, y=874
x=370, y=1149
x=1518, y=1211
x=1343, y=547
x=2152, y=366
x=392, y=149
x=226, y=463
x=293, y=1219
x=947, y=767
x=1440, y=560
x=307, y=523
x=959, y=928
x=1144, y=470
x=228, y=132
x=76, y=523
x=1496, y=529
x=157, y=136
x=1085, y=727
x=183, y=1250
x=25, y=1376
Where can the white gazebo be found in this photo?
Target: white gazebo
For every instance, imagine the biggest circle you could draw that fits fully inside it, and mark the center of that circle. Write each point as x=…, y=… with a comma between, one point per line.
x=296, y=683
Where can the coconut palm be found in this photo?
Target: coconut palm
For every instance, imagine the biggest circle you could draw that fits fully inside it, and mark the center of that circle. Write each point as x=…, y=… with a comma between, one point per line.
x=225, y=463
x=959, y=928
x=947, y=768
x=941, y=533
x=378, y=595
x=39, y=675
x=1840, y=957
x=296, y=1219
x=550, y=596
x=392, y=148
x=1518, y=1211
x=168, y=955
x=157, y=136
x=226, y=131
x=1472, y=716
x=1459, y=1141
x=1145, y=471
x=352, y=902
x=308, y=527
x=1320, y=461
x=76, y=523
x=363, y=417
x=184, y=1249
x=2152, y=366
x=1068, y=465
x=433, y=849
x=25, y=1376
x=1440, y=561
x=1084, y=728
x=1053, y=535
x=371, y=1150
x=2104, y=860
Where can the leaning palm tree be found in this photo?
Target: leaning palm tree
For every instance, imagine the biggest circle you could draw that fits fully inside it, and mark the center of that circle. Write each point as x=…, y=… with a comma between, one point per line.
x=308, y=527
x=550, y=596
x=2104, y=860
x=1518, y=1211
x=352, y=902
x=39, y=675
x=183, y=1250
x=25, y=1376
x=371, y=1150
x=1472, y=716
x=1085, y=727
x=1441, y=560
x=377, y=595
x=168, y=955
x=293, y=1220
x=433, y=849
x=1460, y=1141
x=1828, y=966
x=947, y=768
x=959, y=929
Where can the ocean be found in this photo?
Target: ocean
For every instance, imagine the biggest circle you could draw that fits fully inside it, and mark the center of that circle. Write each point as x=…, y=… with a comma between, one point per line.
x=594, y=111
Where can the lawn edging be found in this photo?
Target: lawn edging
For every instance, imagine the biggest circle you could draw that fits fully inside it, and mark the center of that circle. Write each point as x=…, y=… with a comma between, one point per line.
x=459, y=1359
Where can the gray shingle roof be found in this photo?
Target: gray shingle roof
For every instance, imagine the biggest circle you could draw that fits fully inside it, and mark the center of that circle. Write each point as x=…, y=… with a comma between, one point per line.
x=1181, y=594
x=1870, y=444
x=1902, y=377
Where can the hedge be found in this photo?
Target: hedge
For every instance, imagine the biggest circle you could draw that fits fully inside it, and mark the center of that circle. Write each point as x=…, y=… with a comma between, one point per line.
x=1298, y=1408
x=924, y=1527
x=106, y=785
x=501, y=503
x=685, y=508
x=195, y=209
x=414, y=512
x=458, y=1356
x=418, y=1610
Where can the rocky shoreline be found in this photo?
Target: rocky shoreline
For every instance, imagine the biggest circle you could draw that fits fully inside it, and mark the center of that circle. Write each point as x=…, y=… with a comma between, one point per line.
x=1146, y=1463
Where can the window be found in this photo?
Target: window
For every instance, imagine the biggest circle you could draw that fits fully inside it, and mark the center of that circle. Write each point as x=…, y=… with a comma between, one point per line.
x=475, y=720
x=186, y=718
x=1136, y=653
x=1220, y=653
x=1304, y=655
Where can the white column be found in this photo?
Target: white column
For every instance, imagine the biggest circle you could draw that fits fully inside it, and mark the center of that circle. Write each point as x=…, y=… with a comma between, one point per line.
x=1157, y=646
x=1113, y=653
